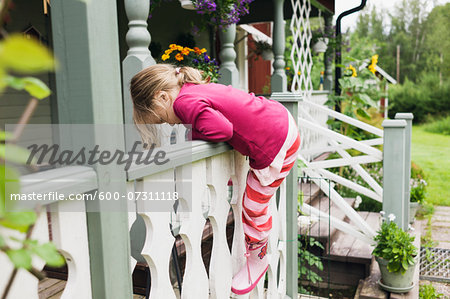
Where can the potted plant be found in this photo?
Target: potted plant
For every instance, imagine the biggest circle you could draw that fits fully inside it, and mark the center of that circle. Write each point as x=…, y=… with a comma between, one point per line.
x=221, y=14
x=417, y=186
x=396, y=255
x=263, y=49
x=196, y=58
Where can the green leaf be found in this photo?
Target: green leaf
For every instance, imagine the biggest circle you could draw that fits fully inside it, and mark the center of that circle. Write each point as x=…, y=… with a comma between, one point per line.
x=18, y=220
x=367, y=100
x=9, y=184
x=35, y=87
x=5, y=135
x=363, y=113
x=25, y=55
x=2, y=242
x=14, y=153
x=49, y=254
x=21, y=258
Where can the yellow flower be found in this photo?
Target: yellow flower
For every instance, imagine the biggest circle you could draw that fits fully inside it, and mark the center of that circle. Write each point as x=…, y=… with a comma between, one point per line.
x=288, y=68
x=179, y=57
x=299, y=73
x=373, y=64
x=165, y=57
x=185, y=51
x=168, y=51
x=180, y=48
x=173, y=47
x=202, y=50
x=352, y=68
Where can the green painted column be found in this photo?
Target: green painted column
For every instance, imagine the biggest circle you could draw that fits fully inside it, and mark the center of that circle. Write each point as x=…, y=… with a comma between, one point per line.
x=138, y=55
x=278, y=80
x=290, y=101
x=228, y=70
x=408, y=117
x=328, y=60
x=85, y=39
x=394, y=158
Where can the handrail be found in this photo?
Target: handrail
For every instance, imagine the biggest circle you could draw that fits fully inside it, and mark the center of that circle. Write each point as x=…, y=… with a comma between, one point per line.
x=178, y=155
x=347, y=119
x=65, y=180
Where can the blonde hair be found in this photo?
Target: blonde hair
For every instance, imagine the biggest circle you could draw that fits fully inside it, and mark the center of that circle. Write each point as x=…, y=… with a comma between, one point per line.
x=146, y=84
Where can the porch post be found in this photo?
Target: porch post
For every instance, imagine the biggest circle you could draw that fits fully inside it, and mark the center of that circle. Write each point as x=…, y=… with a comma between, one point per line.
x=328, y=60
x=394, y=200
x=88, y=92
x=229, y=74
x=138, y=55
x=290, y=101
x=278, y=80
x=408, y=117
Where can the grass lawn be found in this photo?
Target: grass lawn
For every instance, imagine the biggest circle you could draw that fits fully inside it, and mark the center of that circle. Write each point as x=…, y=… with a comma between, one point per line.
x=432, y=152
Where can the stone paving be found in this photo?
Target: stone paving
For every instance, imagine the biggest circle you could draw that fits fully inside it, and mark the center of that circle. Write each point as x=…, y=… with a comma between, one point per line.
x=440, y=233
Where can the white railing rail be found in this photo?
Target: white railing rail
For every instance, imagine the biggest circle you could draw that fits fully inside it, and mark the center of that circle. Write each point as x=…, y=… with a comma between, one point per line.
x=334, y=142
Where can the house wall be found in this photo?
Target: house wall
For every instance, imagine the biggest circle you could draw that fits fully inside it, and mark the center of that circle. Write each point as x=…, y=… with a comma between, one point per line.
x=12, y=102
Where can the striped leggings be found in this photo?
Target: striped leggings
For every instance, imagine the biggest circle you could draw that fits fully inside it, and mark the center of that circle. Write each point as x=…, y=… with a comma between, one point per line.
x=256, y=218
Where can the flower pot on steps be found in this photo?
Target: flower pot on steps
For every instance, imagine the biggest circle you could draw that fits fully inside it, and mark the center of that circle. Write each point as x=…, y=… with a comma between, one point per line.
x=187, y=4
x=396, y=282
x=413, y=207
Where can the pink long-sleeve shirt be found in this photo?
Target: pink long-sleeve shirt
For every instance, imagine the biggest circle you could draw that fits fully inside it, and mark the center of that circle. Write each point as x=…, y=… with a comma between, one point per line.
x=255, y=126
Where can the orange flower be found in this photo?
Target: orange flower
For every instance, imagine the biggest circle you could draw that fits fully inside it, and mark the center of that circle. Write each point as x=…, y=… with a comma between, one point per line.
x=185, y=51
x=173, y=47
x=179, y=57
x=197, y=51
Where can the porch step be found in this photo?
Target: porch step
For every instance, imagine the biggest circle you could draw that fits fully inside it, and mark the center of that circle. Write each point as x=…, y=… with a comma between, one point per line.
x=321, y=230
x=346, y=248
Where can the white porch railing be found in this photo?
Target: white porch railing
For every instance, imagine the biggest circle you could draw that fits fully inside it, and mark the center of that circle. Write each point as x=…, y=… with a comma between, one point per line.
x=213, y=166
x=318, y=139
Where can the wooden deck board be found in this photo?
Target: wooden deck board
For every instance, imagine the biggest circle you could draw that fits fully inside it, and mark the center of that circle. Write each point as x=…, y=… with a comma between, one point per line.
x=50, y=287
x=361, y=251
x=342, y=243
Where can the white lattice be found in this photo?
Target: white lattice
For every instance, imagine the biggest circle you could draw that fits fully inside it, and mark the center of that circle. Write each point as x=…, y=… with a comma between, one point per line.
x=301, y=51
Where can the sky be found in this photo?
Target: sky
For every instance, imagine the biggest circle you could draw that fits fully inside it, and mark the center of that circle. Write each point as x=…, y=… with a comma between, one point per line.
x=350, y=20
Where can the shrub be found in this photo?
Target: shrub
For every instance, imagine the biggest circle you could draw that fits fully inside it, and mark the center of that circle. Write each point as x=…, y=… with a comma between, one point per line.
x=427, y=291
x=440, y=126
x=422, y=99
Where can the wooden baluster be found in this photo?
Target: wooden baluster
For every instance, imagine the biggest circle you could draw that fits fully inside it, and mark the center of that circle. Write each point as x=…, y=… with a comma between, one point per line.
x=282, y=240
x=220, y=269
x=228, y=71
x=132, y=216
x=25, y=285
x=138, y=56
x=159, y=240
x=195, y=280
x=278, y=80
x=72, y=241
x=239, y=176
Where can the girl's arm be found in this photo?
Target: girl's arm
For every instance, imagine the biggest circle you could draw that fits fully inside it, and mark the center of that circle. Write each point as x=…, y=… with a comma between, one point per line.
x=211, y=125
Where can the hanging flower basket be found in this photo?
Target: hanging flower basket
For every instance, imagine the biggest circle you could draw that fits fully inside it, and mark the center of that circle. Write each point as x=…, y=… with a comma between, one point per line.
x=321, y=45
x=267, y=55
x=187, y=4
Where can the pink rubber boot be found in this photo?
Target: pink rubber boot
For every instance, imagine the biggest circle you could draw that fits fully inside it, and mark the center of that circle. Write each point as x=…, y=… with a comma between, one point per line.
x=254, y=269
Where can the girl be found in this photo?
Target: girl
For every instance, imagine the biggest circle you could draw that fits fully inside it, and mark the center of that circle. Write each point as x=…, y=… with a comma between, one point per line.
x=259, y=128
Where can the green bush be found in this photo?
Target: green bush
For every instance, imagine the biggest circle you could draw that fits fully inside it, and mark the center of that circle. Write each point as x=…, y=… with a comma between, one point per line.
x=427, y=291
x=440, y=126
x=426, y=98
